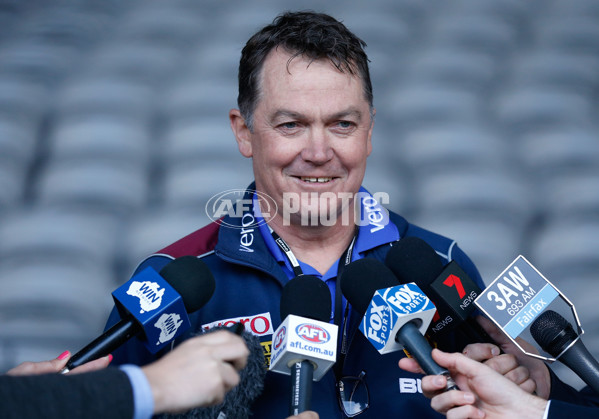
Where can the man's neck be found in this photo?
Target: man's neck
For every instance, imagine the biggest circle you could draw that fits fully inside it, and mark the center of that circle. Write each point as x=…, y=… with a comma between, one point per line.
x=318, y=246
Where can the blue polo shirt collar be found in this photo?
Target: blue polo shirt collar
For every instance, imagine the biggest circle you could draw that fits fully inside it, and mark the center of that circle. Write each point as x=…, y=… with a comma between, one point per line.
x=374, y=230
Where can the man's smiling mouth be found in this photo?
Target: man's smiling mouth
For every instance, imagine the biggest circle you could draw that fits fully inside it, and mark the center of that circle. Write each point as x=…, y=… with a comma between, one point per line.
x=316, y=179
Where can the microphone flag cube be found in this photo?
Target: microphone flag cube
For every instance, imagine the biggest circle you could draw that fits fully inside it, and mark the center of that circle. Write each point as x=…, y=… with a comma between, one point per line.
x=390, y=309
x=155, y=305
x=300, y=338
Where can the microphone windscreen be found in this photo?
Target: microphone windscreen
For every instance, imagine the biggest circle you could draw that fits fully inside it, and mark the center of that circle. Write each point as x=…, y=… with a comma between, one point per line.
x=552, y=332
x=306, y=296
x=192, y=280
x=238, y=401
x=413, y=260
x=360, y=280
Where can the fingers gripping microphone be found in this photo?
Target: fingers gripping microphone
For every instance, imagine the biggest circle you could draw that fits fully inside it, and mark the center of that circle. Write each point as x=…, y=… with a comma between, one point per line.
x=413, y=260
x=305, y=344
x=557, y=337
x=238, y=402
x=394, y=316
x=155, y=306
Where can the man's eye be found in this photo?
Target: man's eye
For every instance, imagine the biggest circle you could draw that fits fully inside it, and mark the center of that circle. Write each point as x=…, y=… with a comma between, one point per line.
x=289, y=125
x=345, y=124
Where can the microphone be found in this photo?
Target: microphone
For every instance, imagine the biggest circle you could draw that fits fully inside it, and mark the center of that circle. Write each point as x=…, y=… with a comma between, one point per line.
x=155, y=306
x=394, y=316
x=556, y=336
x=238, y=401
x=305, y=344
x=412, y=259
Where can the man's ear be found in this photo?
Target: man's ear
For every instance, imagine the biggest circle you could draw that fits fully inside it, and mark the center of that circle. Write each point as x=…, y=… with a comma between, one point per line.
x=369, y=144
x=242, y=132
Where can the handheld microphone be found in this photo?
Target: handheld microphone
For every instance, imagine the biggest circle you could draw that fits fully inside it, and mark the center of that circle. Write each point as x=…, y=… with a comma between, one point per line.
x=155, y=306
x=394, y=316
x=238, y=400
x=413, y=260
x=305, y=344
x=557, y=337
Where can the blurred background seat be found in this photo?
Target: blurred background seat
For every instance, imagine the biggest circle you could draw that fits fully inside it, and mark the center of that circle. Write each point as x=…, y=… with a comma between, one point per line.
x=114, y=134
x=521, y=109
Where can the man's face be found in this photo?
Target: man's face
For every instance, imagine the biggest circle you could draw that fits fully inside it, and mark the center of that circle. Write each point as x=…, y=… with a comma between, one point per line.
x=312, y=134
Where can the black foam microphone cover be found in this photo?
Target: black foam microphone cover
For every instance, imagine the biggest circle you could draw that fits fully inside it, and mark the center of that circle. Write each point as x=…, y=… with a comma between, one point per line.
x=237, y=403
x=192, y=279
x=413, y=260
x=362, y=278
x=306, y=296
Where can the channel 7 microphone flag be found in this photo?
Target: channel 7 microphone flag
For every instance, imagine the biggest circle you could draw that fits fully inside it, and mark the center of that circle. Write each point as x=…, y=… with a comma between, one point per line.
x=154, y=306
x=452, y=291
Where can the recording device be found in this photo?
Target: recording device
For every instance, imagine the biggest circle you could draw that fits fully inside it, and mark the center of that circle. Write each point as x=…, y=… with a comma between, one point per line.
x=305, y=344
x=557, y=337
x=153, y=306
x=453, y=292
x=238, y=401
x=394, y=316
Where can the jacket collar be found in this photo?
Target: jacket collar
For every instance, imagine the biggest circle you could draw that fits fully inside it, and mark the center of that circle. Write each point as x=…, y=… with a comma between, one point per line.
x=241, y=241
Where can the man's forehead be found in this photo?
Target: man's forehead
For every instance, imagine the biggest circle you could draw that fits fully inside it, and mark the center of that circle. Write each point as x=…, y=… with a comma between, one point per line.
x=281, y=63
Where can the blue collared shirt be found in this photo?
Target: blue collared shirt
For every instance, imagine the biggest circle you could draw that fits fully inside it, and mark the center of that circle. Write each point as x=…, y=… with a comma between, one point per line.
x=374, y=230
x=143, y=400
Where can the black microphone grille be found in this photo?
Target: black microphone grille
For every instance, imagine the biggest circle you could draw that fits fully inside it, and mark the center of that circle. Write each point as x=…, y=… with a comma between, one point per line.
x=192, y=279
x=413, y=260
x=306, y=296
x=360, y=280
x=552, y=332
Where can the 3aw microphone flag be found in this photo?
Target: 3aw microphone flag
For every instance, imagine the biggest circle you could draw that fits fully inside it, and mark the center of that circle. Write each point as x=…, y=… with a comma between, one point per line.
x=517, y=297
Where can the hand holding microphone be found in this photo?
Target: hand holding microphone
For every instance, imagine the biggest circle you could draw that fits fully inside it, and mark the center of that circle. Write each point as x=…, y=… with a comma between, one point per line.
x=483, y=391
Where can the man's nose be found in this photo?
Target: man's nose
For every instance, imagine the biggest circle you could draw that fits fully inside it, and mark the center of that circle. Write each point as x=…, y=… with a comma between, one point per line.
x=318, y=148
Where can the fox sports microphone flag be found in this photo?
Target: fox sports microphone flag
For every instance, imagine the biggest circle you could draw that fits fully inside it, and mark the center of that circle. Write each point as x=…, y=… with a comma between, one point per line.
x=374, y=292
x=394, y=316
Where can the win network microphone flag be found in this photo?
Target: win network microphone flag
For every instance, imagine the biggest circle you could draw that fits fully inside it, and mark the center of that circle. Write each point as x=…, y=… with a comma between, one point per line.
x=156, y=307
x=153, y=306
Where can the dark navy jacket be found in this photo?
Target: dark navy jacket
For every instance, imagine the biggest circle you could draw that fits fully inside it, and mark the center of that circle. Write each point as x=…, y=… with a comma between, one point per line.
x=249, y=282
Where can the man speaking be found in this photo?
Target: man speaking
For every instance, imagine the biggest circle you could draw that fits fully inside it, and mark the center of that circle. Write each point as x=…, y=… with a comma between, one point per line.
x=306, y=119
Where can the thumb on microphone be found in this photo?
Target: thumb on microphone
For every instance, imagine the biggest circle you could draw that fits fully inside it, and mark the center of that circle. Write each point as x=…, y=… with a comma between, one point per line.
x=538, y=370
x=198, y=372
